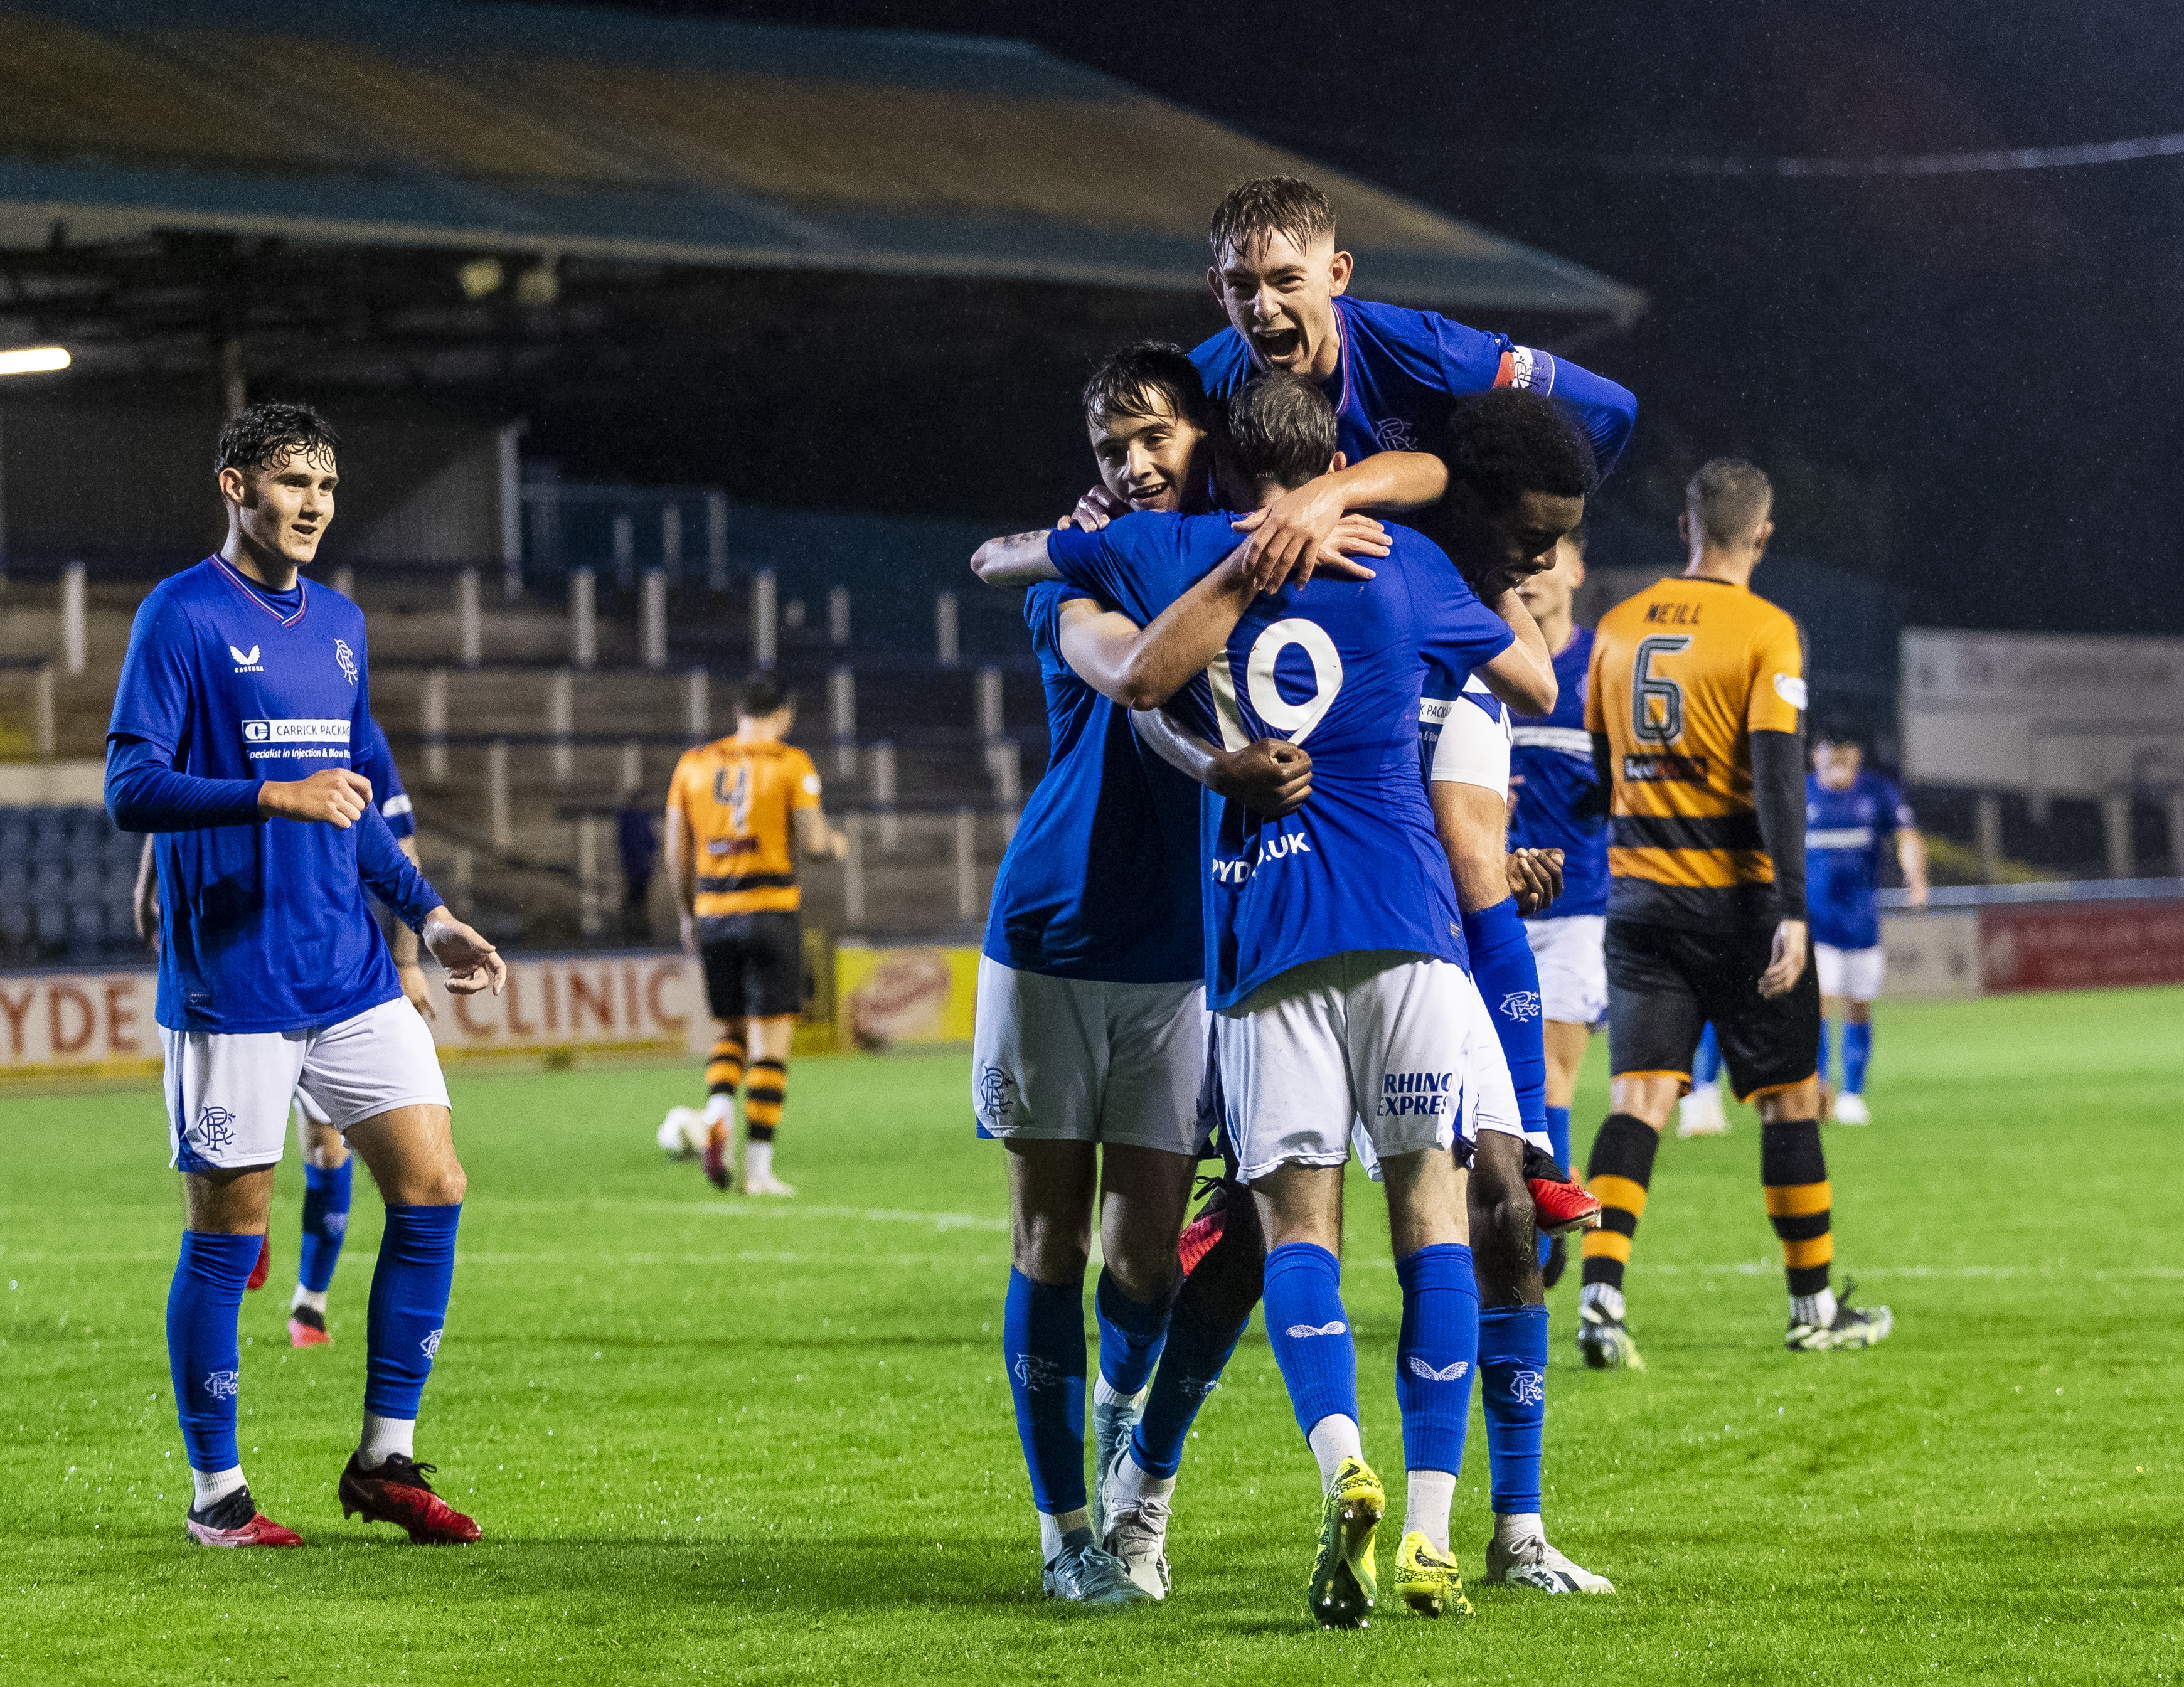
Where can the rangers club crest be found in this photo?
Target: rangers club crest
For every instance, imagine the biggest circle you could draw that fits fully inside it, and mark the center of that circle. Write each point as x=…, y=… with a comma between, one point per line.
x=1531, y=1388
x=1395, y=435
x=996, y=1095
x=215, y=1128
x=347, y=658
x=1521, y=1005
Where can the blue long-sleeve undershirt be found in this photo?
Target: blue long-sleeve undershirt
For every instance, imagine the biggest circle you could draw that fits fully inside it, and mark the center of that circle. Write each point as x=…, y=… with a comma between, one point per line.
x=143, y=793
x=1605, y=410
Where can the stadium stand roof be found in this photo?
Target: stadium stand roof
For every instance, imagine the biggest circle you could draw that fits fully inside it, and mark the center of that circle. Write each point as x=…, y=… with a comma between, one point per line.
x=566, y=131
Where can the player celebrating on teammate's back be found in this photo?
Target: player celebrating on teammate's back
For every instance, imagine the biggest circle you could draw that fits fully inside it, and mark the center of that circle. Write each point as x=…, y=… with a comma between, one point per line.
x=1850, y=814
x=273, y=976
x=1694, y=705
x=738, y=810
x=1333, y=956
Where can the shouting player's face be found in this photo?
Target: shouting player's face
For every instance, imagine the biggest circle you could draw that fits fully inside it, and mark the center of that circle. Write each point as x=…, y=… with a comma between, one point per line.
x=1281, y=299
x=1149, y=462
x=283, y=509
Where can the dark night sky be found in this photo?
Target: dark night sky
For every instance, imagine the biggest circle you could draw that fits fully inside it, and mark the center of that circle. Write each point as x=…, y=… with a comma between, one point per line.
x=1967, y=381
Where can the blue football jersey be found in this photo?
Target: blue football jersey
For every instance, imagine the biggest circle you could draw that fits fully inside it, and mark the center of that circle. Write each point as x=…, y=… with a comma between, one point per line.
x=1551, y=779
x=1100, y=881
x=1402, y=369
x=1848, y=835
x=266, y=926
x=376, y=762
x=1335, y=666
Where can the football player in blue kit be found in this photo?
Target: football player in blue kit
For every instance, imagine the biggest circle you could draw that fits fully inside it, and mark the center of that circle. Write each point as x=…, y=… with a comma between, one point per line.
x=1088, y=1051
x=327, y=1169
x=243, y=698
x=1392, y=374
x=1519, y=472
x=1555, y=803
x=1852, y=817
x=1333, y=957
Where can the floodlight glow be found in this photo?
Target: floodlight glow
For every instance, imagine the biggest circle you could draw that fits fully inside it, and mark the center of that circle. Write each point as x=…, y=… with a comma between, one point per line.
x=33, y=360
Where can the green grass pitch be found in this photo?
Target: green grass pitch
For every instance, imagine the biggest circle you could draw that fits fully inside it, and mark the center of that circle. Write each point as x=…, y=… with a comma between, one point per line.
x=715, y=1439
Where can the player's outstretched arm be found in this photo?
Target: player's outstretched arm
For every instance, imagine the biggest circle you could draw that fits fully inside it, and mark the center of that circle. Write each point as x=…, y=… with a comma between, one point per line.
x=1911, y=857
x=1524, y=675
x=1014, y=561
x=1272, y=776
x=473, y=964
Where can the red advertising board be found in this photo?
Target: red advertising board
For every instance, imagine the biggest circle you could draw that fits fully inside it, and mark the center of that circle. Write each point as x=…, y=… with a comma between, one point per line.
x=2081, y=945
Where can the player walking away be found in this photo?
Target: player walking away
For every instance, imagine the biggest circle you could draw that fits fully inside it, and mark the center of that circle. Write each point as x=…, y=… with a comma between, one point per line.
x=1519, y=472
x=273, y=976
x=638, y=848
x=734, y=809
x=1700, y=1113
x=1556, y=804
x=1334, y=955
x=1695, y=707
x=1391, y=374
x=1850, y=814
x=1091, y=1022
x=327, y=1171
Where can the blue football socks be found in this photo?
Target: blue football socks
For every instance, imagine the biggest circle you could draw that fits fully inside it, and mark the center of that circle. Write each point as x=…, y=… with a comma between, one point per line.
x=1132, y=1333
x=202, y=1354
x=1826, y=1053
x=1512, y=1387
x=325, y=1223
x=409, y=1306
x=1043, y=1346
x=1858, y=1050
x=1435, y=1354
x=1508, y=979
x=1706, y=1064
x=1309, y=1331
x=1190, y=1370
x=1558, y=1137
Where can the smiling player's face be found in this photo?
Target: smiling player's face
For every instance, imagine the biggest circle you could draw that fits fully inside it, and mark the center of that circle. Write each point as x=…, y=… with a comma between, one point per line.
x=284, y=509
x=1149, y=462
x=1281, y=299
x=1497, y=549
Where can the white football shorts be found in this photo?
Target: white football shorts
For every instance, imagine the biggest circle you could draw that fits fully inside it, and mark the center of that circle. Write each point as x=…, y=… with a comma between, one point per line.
x=1473, y=746
x=1393, y=1047
x=1570, y=955
x=228, y=1093
x=1853, y=972
x=1068, y=1060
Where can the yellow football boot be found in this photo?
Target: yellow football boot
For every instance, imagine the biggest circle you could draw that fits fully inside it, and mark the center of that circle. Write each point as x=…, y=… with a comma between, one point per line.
x=1427, y=1579
x=1343, y=1586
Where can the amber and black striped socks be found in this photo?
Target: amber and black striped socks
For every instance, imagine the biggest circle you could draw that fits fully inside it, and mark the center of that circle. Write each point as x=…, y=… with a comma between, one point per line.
x=769, y=1081
x=1794, y=1170
x=724, y=1073
x=1619, y=1172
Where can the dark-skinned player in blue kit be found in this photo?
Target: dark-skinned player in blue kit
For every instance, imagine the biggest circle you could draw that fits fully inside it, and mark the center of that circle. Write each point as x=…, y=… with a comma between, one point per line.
x=1333, y=961
x=243, y=699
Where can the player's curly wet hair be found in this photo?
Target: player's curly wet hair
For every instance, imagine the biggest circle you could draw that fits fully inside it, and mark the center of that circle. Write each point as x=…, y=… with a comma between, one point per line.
x=266, y=436
x=1271, y=204
x=761, y=693
x=1502, y=444
x=1282, y=429
x=1132, y=382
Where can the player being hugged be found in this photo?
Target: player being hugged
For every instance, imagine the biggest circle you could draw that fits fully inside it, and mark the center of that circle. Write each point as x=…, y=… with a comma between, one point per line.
x=243, y=705
x=1333, y=961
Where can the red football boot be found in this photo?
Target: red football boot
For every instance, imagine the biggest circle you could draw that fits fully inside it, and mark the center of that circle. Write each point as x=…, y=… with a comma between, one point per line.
x=1561, y=1204
x=397, y=1492
x=720, y=1170
x=307, y=1327
x=1199, y=1235
x=235, y=1522
x=264, y=1268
